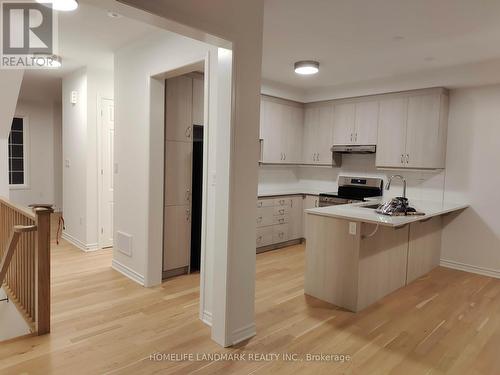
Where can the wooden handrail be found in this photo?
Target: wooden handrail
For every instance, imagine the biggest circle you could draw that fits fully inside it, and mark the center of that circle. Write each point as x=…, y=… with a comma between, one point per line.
x=14, y=239
x=25, y=261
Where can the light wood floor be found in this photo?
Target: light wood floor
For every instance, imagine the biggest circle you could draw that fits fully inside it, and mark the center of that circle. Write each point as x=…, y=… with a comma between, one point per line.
x=447, y=322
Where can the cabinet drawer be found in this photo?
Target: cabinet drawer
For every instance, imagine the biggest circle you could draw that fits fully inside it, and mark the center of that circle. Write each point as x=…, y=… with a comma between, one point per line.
x=265, y=216
x=264, y=236
x=280, y=202
x=265, y=203
x=280, y=233
x=281, y=210
x=281, y=219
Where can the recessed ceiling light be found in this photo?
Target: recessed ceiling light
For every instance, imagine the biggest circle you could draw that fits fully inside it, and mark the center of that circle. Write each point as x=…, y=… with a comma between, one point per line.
x=306, y=67
x=61, y=5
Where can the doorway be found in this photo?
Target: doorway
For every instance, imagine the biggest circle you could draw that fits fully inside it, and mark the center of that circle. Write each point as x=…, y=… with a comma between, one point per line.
x=184, y=174
x=106, y=182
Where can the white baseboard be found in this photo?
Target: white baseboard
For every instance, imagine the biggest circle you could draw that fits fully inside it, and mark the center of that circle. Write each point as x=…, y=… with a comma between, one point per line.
x=206, y=317
x=128, y=272
x=243, y=333
x=470, y=268
x=79, y=244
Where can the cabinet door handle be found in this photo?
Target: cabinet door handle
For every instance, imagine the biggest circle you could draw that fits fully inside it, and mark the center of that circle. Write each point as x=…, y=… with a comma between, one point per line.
x=188, y=132
x=402, y=158
x=259, y=220
x=188, y=195
x=356, y=137
x=259, y=204
x=407, y=158
x=188, y=214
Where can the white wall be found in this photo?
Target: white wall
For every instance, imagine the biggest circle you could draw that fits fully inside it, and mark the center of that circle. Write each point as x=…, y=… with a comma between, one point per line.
x=80, y=153
x=44, y=119
x=471, y=239
x=426, y=185
x=136, y=143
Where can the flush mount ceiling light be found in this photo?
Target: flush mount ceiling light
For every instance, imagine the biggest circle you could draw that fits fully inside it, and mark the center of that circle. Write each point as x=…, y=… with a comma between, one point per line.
x=61, y=5
x=306, y=67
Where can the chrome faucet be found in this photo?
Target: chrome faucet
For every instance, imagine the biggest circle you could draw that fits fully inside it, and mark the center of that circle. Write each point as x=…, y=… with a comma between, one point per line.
x=388, y=186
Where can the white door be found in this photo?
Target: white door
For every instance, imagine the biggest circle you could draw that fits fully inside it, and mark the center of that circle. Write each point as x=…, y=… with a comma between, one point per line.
x=107, y=149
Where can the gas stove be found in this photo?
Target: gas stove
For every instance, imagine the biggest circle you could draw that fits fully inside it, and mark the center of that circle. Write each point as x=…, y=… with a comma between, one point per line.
x=352, y=190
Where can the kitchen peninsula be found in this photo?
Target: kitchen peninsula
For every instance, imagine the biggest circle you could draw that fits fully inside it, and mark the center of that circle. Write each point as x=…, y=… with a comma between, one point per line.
x=355, y=256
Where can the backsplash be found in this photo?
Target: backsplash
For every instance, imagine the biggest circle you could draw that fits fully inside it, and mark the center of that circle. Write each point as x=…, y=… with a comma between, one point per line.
x=425, y=185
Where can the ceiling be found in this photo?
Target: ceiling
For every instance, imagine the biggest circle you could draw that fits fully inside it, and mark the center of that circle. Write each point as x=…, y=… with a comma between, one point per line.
x=359, y=40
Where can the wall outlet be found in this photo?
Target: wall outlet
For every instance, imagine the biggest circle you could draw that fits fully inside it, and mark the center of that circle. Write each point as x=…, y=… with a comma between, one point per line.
x=353, y=228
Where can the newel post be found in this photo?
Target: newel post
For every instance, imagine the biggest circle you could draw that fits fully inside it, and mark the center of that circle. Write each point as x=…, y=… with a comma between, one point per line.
x=42, y=269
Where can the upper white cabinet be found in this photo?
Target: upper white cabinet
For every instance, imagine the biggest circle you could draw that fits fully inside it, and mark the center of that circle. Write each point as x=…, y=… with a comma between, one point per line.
x=366, y=123
x=317, y=138
x=356, y=123
x=343, y=124
x=178, y=109
x=412, y=131
x=391, y=144
x=281, y=128
x=198, y=100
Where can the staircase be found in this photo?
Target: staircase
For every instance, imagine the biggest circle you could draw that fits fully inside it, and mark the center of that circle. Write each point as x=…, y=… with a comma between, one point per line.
x=25, y=264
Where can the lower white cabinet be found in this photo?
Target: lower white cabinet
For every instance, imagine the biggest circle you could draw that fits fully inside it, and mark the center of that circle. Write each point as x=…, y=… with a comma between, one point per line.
x=177, y=237
x=278, y=220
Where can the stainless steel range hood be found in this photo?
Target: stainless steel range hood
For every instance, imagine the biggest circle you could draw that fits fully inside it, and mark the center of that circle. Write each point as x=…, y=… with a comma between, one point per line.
x=354, y=149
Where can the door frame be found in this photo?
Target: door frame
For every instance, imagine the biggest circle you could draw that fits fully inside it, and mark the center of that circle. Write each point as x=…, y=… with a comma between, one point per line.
x=157, y=115
x=99, y=114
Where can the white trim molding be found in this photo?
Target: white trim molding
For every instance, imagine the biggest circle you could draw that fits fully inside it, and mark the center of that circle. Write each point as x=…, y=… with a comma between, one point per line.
x=128, y=272
x=470, y=268
x=79, y=244
x=242, y=334
x=206, y=317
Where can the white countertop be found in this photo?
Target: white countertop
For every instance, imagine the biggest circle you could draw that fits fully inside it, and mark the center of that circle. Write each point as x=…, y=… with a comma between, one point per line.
x=356, y=212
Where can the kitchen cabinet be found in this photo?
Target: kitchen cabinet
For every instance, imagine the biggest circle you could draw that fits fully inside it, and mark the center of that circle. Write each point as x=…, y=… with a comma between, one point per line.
x=391, y=144
x=412, y=131
x=356, y=123
x=177, y=229
x=178, y=172
x=343, y=124
x=198, y=100
x=366, y=123
x=317, y=138
x=310, y=201
x=281, y=124
x=426, y=131
x=278, y=220
x=178, y=109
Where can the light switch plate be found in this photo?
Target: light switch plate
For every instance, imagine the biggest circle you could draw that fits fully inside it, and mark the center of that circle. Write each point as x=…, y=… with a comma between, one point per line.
x=353, y=228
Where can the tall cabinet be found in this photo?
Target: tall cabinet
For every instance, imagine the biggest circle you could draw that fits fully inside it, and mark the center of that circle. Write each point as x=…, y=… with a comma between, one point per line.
x=182, y=110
